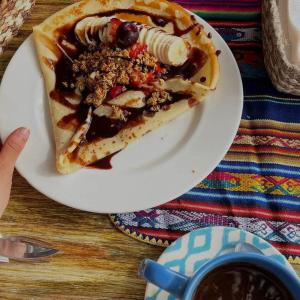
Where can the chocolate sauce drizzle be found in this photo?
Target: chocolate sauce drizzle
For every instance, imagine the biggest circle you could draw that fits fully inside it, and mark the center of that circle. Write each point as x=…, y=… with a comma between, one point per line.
x=102, y=127
x=103, y=163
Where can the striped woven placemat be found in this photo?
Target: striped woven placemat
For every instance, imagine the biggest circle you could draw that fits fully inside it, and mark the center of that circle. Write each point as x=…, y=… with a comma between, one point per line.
x=12, y=16
x=256, y=187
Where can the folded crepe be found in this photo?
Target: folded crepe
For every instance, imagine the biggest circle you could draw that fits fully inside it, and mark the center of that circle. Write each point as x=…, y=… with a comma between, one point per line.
x=116, y=70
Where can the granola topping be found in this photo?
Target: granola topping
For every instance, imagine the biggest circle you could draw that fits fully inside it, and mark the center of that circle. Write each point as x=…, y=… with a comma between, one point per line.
x=118, y=79
x=96, y=73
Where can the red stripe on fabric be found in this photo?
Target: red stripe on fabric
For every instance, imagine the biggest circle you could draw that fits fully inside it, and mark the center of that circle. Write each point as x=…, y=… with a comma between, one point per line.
x=270, y=132
x=238, y=44
x=234, y=211
x=218, y=10
x=272, y=149
x=162, y=234
x=242, y=24
x=292, y=249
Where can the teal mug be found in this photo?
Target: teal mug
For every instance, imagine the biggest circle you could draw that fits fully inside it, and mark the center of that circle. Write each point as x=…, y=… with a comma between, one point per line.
x=185, y=287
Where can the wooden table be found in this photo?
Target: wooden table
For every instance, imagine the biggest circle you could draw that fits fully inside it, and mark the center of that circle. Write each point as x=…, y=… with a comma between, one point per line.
x=97, y=261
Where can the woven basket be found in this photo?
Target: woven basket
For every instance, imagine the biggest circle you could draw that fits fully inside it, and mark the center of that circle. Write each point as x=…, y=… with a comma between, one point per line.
x=284, y=75
x=12, y=16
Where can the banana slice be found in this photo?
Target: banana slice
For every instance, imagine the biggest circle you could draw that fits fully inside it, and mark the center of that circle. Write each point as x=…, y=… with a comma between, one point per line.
x=168, y=49
x=131, y=99
x=178, y=84
x=111, y=112
x=80, y=133
x=91, y=29
x=103, y=111
x=176, y=53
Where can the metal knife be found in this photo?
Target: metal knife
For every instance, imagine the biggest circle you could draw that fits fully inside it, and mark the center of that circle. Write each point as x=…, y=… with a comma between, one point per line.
x=24, y=248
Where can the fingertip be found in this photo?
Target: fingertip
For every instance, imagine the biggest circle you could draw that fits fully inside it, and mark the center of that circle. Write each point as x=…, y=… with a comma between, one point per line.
x=13, y=146
x=22, y=133
x=18, y=138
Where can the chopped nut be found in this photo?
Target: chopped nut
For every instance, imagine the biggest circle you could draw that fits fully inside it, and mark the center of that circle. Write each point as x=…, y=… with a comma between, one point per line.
x=158, y=97
x=118, y=113
x=75, y=67
x=92, y=99
x=80, y=83
x=100, y=93
x=147, y=59
x=155, y=108
x=161, y=81
x=164, y=95
x=93, y=75
x=152, y=101
x=123, y=78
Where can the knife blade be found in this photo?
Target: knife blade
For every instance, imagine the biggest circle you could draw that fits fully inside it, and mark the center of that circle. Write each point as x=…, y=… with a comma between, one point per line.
x=24, y=248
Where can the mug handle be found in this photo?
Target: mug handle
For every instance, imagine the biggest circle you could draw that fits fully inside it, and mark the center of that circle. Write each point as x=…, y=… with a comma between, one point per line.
x=161, y=276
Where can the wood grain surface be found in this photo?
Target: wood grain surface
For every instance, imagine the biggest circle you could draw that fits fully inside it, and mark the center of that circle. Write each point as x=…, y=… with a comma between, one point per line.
x=96, y=261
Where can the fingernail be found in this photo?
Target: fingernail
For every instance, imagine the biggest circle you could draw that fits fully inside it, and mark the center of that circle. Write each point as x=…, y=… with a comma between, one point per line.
x=23, y=133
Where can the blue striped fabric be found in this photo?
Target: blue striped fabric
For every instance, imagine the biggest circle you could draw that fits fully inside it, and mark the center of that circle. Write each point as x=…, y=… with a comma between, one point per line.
x=257, y=185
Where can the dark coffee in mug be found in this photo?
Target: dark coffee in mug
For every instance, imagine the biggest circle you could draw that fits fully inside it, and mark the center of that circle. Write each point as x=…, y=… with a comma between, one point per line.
x=241, y=281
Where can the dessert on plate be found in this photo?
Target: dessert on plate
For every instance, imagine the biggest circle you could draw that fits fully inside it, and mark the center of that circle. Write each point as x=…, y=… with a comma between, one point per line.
x=116, y=70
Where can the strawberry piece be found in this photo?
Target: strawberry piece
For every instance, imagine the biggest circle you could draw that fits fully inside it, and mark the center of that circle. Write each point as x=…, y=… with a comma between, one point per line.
x=157, y=68
x=115, y=91
x=150, y=77
x=136, y=82
x=115, y=23
x=136, y=78
x=136, y=49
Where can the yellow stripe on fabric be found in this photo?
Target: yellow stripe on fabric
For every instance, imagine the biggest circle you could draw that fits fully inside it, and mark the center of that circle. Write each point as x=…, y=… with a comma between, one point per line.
x=265, y=150
x=240, y=182
x=269, y=132
x=268, y=141
x=270, y=124
x=295, y=260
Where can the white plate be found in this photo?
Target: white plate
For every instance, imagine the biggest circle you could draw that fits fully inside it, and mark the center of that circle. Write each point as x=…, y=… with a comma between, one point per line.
x=188, y=253
x=159, y=167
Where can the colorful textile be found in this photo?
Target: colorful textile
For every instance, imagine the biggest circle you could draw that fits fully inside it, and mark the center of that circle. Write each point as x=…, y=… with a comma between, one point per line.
x=256, y=187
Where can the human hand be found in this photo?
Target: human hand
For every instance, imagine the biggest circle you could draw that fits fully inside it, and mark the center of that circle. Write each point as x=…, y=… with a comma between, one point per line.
x=9, y=153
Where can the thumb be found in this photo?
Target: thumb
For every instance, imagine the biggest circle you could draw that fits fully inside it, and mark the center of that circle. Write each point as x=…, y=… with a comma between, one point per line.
x=12, y=147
